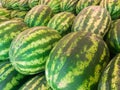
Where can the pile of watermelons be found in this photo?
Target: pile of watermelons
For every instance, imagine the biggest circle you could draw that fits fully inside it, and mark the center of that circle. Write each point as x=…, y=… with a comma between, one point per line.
x=60, y=45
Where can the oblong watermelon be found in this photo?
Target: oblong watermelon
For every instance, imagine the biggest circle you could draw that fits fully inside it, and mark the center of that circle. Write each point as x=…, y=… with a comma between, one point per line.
x=94, y=19
x=8, y=31
x=85, y=3
x=76, y=62
x=38, y=16
x=113, y=6
x=30, y=49
x=110, y=79
x=62, y=22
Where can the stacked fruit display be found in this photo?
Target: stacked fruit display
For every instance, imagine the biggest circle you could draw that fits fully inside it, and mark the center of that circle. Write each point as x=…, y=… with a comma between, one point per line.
x=59, y=45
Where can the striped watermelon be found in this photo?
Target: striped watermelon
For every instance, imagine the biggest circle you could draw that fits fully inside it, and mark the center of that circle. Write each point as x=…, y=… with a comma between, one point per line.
x=8, y=30
x=18, y=14
x=10, y=79
x=36, y=83
x=76, y=62
x=62, y=22
x=85, y=3
x=4, y=12
x=38, y=16
x=110, y=79
x=30, y=49
x=113, y=37
x=113, y=6
x=93, y=19
x=53, y=4
x=33, y=3
x=68, y=5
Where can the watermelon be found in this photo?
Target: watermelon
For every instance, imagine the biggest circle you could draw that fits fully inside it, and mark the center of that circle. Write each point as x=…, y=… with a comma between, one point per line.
x=30, y=49
x=68, y=5
x=8, y=31
x=4, y=12
x=76, y=62
x=62, y=22
x=38, y=16
x=110, y=79
x=38, y=82
x=33, y=3
x=85, y=3
x=113, y=37
x=53, y=4
x=18, y=14
x=10, y=79
x=113, y=6
x=94, y=19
